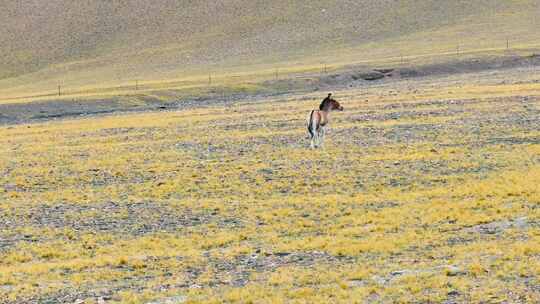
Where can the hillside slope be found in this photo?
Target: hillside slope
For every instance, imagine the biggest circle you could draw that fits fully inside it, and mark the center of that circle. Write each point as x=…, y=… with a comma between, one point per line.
x=107, y=42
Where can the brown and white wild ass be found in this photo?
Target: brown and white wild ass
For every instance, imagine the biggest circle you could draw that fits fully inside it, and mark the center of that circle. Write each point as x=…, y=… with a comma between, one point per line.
x=318, y=119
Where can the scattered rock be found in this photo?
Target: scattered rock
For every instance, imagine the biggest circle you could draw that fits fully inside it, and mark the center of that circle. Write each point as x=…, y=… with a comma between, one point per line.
x=399, y=272
x=499, y=226
x=6, y=287
x=170, y=300
x=356, y=283
x=453, y=271
x=520, y=222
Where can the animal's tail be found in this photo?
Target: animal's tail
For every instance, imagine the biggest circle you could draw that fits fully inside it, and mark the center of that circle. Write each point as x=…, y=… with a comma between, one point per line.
x=310, y=125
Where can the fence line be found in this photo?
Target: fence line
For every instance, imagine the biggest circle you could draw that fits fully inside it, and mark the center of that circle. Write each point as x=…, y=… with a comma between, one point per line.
x=401, y=59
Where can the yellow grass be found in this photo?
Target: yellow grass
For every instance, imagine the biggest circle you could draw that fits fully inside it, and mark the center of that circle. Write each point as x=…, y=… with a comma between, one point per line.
x=365, y=207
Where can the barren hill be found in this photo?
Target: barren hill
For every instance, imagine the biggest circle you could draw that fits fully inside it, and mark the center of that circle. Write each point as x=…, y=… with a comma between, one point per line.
x=106, y=42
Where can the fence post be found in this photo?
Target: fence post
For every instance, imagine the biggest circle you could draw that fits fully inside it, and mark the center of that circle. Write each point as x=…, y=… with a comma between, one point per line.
x=323, y=68
x=59, y=90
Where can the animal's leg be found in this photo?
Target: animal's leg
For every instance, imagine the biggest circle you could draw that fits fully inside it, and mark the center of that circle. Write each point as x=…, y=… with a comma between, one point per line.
x=319, y=138
x=312, y=135
x=315, y=138
x=311, y=129
x=321, y=135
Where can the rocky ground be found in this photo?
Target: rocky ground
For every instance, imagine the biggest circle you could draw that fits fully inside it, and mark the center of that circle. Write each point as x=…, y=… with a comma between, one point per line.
x=427, y=191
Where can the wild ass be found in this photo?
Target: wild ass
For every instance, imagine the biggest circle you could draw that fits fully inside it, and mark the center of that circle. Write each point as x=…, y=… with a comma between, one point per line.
x=318, y=119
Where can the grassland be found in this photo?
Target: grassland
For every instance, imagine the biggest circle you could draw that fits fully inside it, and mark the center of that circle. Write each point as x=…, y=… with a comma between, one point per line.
x=426, y=192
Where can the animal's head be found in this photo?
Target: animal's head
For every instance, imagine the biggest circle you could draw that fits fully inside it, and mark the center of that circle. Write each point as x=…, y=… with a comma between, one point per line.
x=334, y=105
x=330, y=104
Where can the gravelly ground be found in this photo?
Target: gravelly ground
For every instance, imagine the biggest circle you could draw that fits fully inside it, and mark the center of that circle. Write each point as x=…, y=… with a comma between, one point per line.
x=374, y=144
